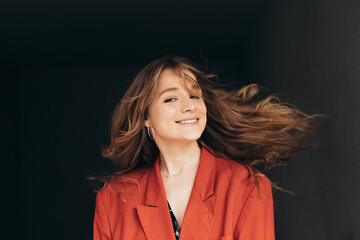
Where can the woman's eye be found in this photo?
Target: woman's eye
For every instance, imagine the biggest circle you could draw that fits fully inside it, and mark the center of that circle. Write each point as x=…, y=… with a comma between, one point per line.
x=173, y=99
x=170, y=100
x=194, y=96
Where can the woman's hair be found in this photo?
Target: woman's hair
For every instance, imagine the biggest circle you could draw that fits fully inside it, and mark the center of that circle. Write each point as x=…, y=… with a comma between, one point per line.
x=258, y=134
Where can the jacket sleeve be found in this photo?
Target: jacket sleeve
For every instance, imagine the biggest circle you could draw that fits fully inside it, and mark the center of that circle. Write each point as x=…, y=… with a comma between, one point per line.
x=101, y=220
x=256, y=220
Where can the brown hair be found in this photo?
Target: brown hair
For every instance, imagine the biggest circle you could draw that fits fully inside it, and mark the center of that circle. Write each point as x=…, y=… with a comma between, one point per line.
x=254, y=133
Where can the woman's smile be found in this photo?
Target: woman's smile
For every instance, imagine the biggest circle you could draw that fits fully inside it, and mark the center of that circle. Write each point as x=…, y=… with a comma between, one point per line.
x=188, y=122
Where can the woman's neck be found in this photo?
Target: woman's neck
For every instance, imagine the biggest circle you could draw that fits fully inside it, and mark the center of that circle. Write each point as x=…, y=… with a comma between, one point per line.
x=175, y=159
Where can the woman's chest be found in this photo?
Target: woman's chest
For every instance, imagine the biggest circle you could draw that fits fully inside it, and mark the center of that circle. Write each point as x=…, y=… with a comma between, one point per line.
x=178, y=192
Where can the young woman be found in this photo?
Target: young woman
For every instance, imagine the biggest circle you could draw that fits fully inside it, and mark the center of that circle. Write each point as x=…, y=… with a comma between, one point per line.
x=186, y=153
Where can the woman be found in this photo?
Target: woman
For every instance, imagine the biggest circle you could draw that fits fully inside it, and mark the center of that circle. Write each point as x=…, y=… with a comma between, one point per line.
x=186, y=154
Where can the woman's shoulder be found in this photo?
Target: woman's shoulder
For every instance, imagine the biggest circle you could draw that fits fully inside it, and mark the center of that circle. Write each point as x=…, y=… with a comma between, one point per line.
x=126, y=184
x=232, y=168
x=240, y=174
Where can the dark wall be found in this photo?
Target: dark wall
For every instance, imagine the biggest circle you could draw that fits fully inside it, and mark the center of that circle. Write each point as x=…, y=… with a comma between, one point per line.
x=314, y=58
x=67, y=64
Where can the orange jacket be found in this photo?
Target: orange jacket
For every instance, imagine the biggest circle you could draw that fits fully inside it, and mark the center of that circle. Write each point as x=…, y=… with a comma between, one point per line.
x=224, y=204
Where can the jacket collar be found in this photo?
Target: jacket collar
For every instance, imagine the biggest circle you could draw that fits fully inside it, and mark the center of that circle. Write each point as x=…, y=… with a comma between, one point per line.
x=198, y=219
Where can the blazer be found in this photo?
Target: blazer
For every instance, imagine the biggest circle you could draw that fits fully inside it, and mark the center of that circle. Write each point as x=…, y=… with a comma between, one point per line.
x=224, y=204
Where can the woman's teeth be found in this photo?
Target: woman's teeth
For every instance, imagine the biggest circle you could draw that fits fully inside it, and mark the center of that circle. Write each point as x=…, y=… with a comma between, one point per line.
x=189, y=121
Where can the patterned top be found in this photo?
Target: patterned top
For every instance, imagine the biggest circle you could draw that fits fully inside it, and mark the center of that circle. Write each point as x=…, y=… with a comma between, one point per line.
x=174, y=223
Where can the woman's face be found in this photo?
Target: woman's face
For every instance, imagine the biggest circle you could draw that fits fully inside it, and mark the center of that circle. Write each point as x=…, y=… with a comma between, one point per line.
x=177, y=112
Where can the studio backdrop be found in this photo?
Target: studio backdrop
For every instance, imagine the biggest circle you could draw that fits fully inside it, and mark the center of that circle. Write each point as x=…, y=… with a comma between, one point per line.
x=67, y=64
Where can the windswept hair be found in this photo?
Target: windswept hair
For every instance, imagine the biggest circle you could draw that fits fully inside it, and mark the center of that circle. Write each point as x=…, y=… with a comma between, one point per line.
x=256, y=133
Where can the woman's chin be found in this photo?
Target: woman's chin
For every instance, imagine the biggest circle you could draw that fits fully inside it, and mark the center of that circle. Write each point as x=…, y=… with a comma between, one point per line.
x=186, y=140
x=191, y=139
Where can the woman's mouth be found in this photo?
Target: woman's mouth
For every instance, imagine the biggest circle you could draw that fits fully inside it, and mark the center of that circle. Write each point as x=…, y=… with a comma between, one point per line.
x=188, y=121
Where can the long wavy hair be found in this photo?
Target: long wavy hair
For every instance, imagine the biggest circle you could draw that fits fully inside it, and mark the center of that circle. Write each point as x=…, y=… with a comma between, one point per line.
x=256, y=133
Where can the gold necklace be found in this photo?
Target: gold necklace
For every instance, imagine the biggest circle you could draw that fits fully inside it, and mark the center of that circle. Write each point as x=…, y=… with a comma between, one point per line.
x=181, y=172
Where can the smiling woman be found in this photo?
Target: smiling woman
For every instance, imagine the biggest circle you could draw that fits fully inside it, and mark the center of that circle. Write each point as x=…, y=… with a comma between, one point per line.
x=177, y=114
x=186, y=154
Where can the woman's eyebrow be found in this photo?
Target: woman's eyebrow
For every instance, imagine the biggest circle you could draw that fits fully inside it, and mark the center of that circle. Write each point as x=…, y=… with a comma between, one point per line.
x=195, y=87
x=168, y=90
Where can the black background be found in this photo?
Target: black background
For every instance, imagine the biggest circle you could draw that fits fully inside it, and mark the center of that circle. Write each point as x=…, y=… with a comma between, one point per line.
x=66, y=64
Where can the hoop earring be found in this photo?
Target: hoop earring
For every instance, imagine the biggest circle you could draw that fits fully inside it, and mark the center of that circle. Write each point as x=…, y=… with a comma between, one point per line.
x=148, y=131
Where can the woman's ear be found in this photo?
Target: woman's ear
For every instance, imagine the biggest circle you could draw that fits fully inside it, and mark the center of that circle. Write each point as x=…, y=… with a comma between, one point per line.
x=147, y=123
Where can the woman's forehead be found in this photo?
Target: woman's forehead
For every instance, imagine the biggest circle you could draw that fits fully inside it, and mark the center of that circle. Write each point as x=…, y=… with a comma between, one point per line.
x=172, y=77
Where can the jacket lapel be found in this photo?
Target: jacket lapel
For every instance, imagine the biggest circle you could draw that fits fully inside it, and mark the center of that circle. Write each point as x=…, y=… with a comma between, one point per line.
x=154, y=214
x=199, y=215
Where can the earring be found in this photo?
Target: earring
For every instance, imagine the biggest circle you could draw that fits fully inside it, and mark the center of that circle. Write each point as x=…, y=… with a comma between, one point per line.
x=148, y=131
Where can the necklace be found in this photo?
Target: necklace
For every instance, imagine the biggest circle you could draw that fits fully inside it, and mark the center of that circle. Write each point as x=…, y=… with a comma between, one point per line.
x=181, y=172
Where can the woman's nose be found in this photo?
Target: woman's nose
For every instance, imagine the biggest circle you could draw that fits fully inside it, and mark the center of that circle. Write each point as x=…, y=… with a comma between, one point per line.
x=188, y=105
